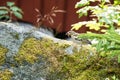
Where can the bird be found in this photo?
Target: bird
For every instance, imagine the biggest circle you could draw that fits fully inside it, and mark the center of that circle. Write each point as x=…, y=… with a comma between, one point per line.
x=74, y=35
x=80, y=43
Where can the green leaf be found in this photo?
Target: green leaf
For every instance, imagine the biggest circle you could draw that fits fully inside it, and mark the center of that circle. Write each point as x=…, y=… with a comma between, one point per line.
x=80, y=15
x=77, y=26
x=113, y=77
x=82, y=3
x=119, y=58
x=16, y=9
x=93, y=25
x=10, y=4
x=83, y=11
x=118, y=23
x=3, y=12
x=99, y=46
x=103, y=54
x=116, y=2
x=3, y=8
x=4, y=16
x=108, y=1
x=18, y=15
x=97, y=11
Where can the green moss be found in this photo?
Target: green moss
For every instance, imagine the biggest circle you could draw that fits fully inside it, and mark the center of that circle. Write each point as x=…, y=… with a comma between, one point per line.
x=88, y=75
x=5, y=75
x=3, y=51
x=32, y=49
x=83, y=65
x=29, y=51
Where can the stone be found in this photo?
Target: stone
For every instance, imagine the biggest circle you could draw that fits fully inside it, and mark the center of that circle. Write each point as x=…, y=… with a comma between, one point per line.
x=12, y=36
x=26, y=53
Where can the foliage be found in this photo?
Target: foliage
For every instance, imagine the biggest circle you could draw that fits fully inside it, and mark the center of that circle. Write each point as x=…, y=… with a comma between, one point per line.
x=116, y=2
x=113, y=78
x=9, y=10
x=103, y=15
x=47, y=17
x=108, y=43
x=105, y=18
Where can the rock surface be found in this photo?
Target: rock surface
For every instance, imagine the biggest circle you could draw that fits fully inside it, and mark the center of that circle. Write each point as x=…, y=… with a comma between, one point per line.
x=26, y=53
x=11, y=38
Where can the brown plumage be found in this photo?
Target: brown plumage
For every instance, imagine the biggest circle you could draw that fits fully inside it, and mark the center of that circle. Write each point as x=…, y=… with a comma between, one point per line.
x=74, y=35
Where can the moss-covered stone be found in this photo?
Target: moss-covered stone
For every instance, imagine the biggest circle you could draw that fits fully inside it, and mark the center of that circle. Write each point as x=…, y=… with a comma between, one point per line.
x=95, y=68
x=29, y=51
x=3, y=51
x=83, y=65
x=32, y=49
x=5, y=75
x=47, y=59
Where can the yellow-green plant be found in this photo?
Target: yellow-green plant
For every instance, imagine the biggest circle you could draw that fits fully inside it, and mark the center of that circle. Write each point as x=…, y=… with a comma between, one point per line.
x=104, y=14
x=105, y=18
x=116, y=2
x=9, y=10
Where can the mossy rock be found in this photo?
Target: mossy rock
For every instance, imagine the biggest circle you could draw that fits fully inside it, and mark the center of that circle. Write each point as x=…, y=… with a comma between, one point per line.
x=31, y=50
x=3, y=52
x=77, y=66
x=49, y=57
x=82, y=66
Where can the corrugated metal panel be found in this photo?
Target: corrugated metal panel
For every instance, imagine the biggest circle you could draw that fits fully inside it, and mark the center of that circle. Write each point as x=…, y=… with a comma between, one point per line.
x=63, y=21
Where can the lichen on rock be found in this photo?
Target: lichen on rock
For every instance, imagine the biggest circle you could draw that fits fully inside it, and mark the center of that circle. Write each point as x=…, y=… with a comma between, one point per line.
x=3, y=52
x=5, y=75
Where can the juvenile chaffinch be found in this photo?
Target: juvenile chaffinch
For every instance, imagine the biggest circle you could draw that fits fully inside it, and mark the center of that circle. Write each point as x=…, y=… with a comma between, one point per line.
x=74, y=35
